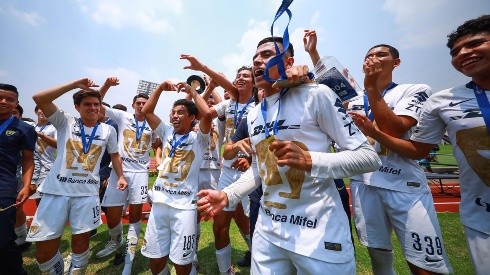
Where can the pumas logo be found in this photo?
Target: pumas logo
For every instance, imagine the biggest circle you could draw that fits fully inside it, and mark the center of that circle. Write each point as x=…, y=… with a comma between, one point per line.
x=33, y=229
x=452, y=104
x=10, y=133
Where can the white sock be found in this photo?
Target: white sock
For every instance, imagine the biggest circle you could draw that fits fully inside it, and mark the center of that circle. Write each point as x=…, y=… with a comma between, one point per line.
x=164, y=271
x=116, y=232
x=21, y=233
x=132, y=241
x=79, y=262
x=130, y=252
x=381, y=261
x=134, y=229
x=193, y=270
x=223, y=257
x=53, y=266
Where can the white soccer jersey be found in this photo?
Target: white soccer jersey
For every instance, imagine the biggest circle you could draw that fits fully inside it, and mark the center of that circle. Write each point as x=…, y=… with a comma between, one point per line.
x=301, y=213
x=135, y=154
x=75, y=174
x=44, y=154
x=229, y=108
x=212, y=156
x=456, y=111
x=398, y=173
x=177, y=182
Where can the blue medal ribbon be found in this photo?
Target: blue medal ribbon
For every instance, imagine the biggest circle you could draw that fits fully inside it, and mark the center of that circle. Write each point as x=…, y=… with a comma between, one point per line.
x=86, y=144
x=278, y=59
x=366, y=100
x=139, y=130
x=483, y=103
x=5, y=124
x=236, y=118
x=176, y=144
x=42, y=128
x=263, y=108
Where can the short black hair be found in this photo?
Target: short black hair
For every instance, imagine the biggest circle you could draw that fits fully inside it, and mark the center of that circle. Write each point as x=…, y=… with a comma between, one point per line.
x=120, y=107
x=8, y=87
x=290, y=50
x=20, y=109
x=470, y=27
x=188, y=104
x=244, y=68
x=80, y=95
x=393, y=51
x=140, y=95
x=106, y=104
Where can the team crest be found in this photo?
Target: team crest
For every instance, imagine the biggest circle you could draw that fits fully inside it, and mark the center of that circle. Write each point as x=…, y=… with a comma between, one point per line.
x=9, y=133
x=33, y=229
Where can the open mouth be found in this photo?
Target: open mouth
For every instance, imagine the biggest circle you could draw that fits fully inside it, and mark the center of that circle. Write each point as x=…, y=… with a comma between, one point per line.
x=258, y=72
x=469, y=62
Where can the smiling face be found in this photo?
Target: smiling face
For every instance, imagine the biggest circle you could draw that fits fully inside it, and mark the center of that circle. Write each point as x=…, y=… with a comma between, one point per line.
x=89, y=109
x=471, y=56
x=8, y=102
x=262, y=55
x=244, y=82
x=181, y=120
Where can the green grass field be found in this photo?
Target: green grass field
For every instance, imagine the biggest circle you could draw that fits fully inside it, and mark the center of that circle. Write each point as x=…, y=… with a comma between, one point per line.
x=452, y=230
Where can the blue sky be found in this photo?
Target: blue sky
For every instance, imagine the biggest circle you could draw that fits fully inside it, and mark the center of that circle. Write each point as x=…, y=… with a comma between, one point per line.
x=46, y=43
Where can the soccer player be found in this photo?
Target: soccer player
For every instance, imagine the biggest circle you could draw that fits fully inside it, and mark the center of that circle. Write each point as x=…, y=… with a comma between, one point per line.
x=463, y=112
x=15, y=136
x=171, y=230
x=71, y=187
x=45, y=150
x=301, y=228
x=135, y=140
x=397, y=196
x=231, y=111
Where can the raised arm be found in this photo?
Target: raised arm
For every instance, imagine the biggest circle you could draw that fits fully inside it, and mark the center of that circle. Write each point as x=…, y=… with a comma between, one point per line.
x=149, y=107
x=201, y=104
x=49, y=140
x=196, y=65
x=310, y=42
x=109, y=82
x=386, y=120
x=44, y=99
x=405, y=148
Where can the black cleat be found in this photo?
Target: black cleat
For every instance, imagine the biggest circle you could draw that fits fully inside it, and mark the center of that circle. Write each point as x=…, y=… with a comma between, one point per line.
x=246, y=260
x=24, y=247
x=118, y=258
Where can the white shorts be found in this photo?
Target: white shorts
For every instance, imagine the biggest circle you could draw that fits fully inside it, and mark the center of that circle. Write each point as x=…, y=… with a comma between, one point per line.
x=268, y=258
x=54, y=212
x=378, y=211
x=170, y=231
x=229, y=176
x=37, y=182
x=479, y=246
x=136, y=193
x=209, y=178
